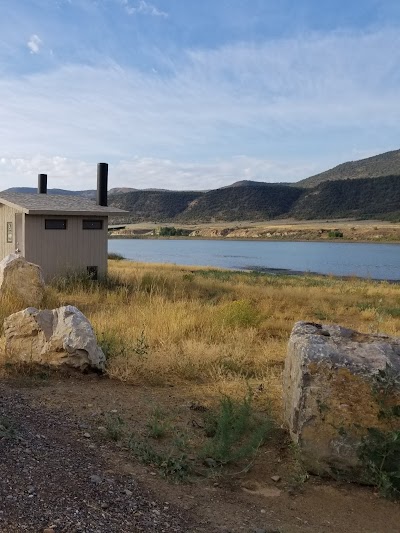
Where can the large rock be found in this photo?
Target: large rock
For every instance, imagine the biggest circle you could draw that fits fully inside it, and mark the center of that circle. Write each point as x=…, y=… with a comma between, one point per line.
x=338, y=384
x=55, y=337
x=21, y=279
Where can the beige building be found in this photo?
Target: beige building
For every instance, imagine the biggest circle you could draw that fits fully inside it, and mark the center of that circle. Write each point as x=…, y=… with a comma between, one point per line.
x=60, y=233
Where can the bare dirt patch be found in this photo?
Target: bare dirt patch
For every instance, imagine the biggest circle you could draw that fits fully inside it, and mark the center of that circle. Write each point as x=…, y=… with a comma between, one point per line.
x=60, y=442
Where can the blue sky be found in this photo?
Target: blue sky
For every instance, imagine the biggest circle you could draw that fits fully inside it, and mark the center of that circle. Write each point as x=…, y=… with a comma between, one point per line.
x=194, y=94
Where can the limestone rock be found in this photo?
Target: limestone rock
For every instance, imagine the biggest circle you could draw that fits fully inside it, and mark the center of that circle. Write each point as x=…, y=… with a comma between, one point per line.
x=337, y=385
x=22, y=279
x=61, y=336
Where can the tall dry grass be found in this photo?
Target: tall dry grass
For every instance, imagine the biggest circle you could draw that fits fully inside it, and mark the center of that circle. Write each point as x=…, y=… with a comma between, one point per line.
x=163, y=324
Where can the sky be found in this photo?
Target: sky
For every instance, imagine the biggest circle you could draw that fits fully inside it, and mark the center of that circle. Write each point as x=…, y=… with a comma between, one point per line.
x=194, y=94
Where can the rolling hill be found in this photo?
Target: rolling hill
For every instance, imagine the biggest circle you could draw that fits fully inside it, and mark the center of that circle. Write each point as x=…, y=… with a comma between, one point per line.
x=241, y=203
x=387, y=164
x=361, y=198
x=158, y=206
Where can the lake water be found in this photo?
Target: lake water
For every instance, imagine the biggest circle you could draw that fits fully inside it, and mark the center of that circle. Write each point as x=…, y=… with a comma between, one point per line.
x=377, y=261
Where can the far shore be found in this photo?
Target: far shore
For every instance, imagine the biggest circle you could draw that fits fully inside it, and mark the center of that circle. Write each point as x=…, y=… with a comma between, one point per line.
x=361, y=231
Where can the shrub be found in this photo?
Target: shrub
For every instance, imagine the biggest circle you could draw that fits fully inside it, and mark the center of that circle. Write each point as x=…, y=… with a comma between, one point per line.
x=115, y=256
x=235, y=431
x=335, y=234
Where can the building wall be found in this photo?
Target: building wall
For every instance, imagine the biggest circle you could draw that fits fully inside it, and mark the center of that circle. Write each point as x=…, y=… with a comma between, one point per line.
x=60, y=251
x=8, y=214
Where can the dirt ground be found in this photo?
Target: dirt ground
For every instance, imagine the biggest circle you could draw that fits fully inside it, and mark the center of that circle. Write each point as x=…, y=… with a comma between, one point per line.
x=48, y=468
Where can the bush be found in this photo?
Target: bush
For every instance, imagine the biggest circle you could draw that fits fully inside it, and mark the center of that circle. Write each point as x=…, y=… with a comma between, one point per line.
x=380, y=453
x=335, y=234
x=115, y=256
x=235, y=431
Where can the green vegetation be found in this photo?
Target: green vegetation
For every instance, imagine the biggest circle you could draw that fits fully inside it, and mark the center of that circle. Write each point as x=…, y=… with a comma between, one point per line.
x=152, y=205
x=361, y=198
x=380, y=453
x=386, y=164
x=242, y=203
x=235, y=431
x=335, y=234
x=380, y=450
x=170, y=231
x=115, y=256
x=345, y=198
x=115, y=427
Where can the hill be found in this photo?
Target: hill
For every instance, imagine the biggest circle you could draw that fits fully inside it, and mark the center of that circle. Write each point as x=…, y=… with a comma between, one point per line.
x=156, y=206
x=90, y=193
x=242, y=203
x=361, y=198
x=387, y=164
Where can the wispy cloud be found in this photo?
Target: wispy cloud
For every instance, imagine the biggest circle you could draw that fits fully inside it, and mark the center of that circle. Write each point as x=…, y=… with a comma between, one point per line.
x=144, y=172
x=143, y=8
x=34, y=44
x=213, y=116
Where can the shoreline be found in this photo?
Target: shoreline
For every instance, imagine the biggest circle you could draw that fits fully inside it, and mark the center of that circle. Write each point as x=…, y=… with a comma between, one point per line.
x=268, y=271
x=351, y=231
x=251, y=239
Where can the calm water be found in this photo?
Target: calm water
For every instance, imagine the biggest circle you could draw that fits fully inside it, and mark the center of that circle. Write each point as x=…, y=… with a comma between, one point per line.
x=377, y=261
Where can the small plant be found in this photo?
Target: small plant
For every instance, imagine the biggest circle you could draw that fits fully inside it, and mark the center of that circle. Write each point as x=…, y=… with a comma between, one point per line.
x=158, y=425
x=7, y=428
x=175, y=467
x=141, y=348
x=240, y=313
x=115, y=427
x=235, y=431
x=380, y=453
x=335, y=234
x=113, y=345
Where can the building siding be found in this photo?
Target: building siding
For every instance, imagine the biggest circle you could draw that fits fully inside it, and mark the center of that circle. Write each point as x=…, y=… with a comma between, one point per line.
x=62, y=251
x=7, y=214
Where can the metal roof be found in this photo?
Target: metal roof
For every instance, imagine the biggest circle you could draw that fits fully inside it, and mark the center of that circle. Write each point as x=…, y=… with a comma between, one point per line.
x=54, y=204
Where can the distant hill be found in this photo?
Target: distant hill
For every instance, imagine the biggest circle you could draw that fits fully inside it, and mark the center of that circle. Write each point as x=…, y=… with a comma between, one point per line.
x=361, y=198
x=387, y=164
x=247, y=183
x=33, y=190
x=158, y=206
x=242, y=203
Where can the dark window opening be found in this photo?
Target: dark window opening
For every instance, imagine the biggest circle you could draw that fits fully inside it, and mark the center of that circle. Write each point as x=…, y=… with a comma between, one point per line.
x=9, y=232
x=92, y=224
x=92, y=272
x=55, y=223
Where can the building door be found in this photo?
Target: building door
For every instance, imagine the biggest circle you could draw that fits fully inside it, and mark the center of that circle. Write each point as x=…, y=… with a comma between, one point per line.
x=19, y=244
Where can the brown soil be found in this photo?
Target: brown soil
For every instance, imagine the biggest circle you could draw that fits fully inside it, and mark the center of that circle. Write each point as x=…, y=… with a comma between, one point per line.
x=47, y=466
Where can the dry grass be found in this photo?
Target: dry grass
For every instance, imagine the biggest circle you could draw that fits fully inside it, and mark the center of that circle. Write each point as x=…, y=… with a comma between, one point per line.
x=219, y=330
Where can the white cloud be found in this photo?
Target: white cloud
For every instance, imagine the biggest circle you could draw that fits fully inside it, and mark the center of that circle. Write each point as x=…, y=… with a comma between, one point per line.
x=145, y=172
x=143, y=8
x=34, y=44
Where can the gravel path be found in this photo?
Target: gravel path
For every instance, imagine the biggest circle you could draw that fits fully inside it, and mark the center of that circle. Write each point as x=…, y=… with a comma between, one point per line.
x=52, y=479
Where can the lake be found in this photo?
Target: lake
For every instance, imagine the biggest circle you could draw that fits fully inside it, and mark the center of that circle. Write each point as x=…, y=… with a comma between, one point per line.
x=376, y=261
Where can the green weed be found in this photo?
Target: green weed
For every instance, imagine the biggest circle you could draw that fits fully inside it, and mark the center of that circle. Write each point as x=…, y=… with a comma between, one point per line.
x=115, y=427
x=235, y=431
x=380, y=454
x=171, y=466
x=158, y=424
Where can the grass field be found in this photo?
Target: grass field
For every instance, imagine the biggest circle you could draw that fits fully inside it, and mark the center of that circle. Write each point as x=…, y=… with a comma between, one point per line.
x=219, y=330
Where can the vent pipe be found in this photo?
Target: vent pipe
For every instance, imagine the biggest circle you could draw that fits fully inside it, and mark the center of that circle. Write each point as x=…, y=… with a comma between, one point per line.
x=42, y=183
x=102, y=178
